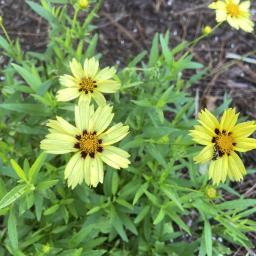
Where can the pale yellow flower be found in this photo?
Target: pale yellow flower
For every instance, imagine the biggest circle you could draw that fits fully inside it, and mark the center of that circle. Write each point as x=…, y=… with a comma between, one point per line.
x=221, y=140
x=235, y=13
x=91, y=142
x=88, y=82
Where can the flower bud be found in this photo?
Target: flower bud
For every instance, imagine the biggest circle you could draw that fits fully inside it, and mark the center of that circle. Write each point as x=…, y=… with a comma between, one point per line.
x=83, y=4
x=1, y=20
x=211, y=192
x=207, y=30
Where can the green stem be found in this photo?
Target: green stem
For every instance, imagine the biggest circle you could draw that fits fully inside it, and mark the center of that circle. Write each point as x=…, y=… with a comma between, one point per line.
x=75, y=17
x=5, y=33
x=197, y=40
x=93, y=13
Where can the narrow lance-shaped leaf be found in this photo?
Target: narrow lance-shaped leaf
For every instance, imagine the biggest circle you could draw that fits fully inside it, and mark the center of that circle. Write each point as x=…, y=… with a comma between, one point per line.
x=18, y=170
x=13, y=195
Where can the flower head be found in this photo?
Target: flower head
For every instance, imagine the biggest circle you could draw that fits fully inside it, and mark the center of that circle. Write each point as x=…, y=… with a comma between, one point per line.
x=88, y=82
x=91, y=142
x=221, y=140
x=235, y=13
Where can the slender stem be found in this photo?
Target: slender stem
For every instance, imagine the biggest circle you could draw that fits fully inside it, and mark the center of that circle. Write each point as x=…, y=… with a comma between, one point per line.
x=75, y=17
x=197, y=40
x=93, y=13
x=5, y=33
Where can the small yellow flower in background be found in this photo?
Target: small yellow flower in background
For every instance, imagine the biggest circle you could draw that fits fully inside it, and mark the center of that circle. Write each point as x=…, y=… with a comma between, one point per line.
x=83, y=4
x=88, y=82
x=221, y=140
x=207, y=30
x=90, y=141
x=211, y=192
x=235, y=13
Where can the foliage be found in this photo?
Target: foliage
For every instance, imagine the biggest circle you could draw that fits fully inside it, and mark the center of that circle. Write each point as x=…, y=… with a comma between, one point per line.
x=159, y=205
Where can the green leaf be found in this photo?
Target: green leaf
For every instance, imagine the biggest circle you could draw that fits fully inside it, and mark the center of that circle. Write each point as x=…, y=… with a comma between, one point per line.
x=90, y=52
x=32, y=79
x=154, y=52
x=137, y=59
x=171, y=194
x=12, y=229
x=156, y=154
x=51, y=210
x=208, y=237
x=114, y=183
x=166, y=52
x=5, y=45
x=142, y=214
x=159, y=217
x=239, y=204
x=117, y=224
x=13, y=195
x=33, y=171
x=173, y=215
x=18, y=170
x=46, y=184
x=32, y=109
x=139, y=193
x=42, y=12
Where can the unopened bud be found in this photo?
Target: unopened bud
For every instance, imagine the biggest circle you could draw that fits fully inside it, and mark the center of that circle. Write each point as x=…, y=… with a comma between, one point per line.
x=207, y=30
x=83, y=4
x=211, y=192
x=1, y=20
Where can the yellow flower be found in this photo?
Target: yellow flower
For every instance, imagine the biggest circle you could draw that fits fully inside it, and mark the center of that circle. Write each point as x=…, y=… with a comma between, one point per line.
x=91, y=142
x=235, y=13
x=88, y=82
x=207, y=30
x=83, y=4
x=221, y=140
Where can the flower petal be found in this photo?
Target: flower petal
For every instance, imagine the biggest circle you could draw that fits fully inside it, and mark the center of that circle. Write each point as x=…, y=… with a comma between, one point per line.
x=101, y=119
x=67, y=127
x=68, y=81
x=91, y=67
x=99, y=98
x=115, y=157
x=67, y=94
x=114, y=134
x=108, y=86
x=243, y=130
x=83, y=113
x=76, y=68
x=105, y=74
x=205, y=155
x=57, y=146
x=245, y=144
x=229, y=119
x=74, y=171
x=238, y=169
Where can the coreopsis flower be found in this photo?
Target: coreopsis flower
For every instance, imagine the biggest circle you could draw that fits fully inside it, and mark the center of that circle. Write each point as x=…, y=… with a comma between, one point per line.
x=88, y=82
x=90, y=141
x=222, y=140
x=235, y=13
